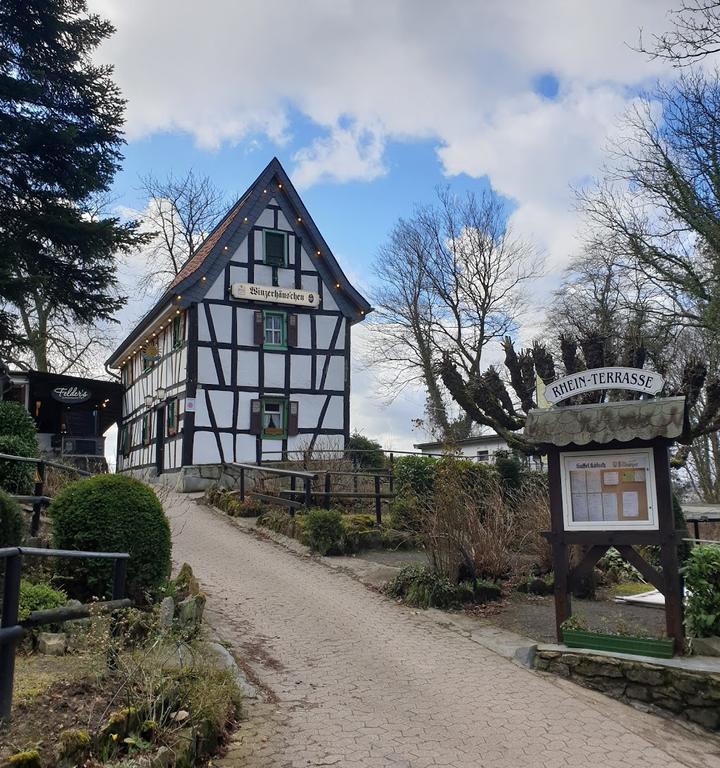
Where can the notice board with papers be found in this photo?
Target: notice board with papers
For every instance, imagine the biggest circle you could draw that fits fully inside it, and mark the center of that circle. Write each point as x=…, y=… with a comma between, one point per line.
x=608, y=490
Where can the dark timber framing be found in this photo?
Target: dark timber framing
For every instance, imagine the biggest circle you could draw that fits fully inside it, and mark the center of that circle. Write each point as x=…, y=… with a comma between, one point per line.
x=216, y=350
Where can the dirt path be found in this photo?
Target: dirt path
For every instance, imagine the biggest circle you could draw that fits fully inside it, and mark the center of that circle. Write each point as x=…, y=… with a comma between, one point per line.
x=355, y=680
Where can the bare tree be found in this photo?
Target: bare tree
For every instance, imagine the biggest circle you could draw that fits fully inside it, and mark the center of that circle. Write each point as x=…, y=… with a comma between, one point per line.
x=53, y=341
x=180, y=212
x=695, y=34
x=658, y=207
x=451, y=281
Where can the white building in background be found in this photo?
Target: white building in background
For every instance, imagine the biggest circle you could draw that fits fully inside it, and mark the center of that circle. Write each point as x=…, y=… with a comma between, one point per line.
x=247, y=354
x=482, y=448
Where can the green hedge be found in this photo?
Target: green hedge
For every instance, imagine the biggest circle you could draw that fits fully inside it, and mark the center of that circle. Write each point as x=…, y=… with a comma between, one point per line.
x=38, y=597
x=112, y=513
x=15, y=420
x=17, y=476
x=422, y=587
x=324, y=531
x=702, y=584
x=415, y=475
x=11, y=522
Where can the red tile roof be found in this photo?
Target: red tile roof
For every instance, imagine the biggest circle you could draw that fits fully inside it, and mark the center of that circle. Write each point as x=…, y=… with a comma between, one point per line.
x=196, y=260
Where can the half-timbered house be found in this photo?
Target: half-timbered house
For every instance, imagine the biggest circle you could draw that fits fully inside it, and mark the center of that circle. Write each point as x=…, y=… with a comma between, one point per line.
x=247, y=354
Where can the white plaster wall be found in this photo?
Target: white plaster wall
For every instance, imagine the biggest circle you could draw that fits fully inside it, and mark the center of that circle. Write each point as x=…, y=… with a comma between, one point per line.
x=222, y=320
x=304, y=335
x=266, y=219
x=238, y=275
x=243, y=420
x=222, y=405
x=274, y=369
x=325, y=327
x=240, y=253
x=336, y=373
x=245, y=326
x=206, y=366
x=263, y=274
x=245, y=448
x=300, y=372
x=216, y=288
x=205, y=448
x=286, y=278
x=334, y=414
x=328, y=300
x=310, y=282
x=226, y=363
x=282, y=221
x=247, y=369
x=309, y=407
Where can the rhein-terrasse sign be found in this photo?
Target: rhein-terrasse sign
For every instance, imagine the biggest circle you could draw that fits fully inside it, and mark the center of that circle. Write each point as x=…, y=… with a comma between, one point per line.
x=275, y=294
x=635, y=379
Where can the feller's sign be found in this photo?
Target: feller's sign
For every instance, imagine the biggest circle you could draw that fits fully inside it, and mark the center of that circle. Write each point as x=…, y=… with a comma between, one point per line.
x=275, y=294
x=635, y=379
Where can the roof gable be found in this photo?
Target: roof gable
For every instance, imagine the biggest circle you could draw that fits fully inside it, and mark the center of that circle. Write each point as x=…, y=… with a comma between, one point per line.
x=212, y=255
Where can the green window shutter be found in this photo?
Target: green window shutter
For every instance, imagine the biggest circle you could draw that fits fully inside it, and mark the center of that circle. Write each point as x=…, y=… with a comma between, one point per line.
x=178, y=331
x=275, y=248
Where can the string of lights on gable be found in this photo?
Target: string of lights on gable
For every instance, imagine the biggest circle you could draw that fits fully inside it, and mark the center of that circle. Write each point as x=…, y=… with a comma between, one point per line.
x=166, y=322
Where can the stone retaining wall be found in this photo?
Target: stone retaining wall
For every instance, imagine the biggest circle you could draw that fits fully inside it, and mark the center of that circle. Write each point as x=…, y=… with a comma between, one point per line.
x=686, y=693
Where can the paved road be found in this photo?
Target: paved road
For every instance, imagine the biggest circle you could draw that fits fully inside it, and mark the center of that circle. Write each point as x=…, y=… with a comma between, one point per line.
x=356, y=680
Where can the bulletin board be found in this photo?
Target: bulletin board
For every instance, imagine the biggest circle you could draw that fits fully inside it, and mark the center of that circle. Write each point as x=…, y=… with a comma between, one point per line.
x=608, y=490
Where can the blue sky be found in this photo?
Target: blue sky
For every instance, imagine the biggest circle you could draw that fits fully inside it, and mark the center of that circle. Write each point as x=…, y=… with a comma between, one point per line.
x=370, y=106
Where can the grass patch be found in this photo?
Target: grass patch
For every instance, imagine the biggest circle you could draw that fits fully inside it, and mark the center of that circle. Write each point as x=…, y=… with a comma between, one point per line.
x=629, y=588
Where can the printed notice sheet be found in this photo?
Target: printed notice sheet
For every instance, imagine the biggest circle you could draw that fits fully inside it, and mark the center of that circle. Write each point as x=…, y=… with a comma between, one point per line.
x=608, y=487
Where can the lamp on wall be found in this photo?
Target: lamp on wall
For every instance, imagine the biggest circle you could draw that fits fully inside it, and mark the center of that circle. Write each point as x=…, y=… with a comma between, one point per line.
x=160, y=393
x=148, y=401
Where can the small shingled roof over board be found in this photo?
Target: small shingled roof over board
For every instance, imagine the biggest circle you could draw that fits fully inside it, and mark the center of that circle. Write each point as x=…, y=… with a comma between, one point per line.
x=209, y=259
x=604, y=422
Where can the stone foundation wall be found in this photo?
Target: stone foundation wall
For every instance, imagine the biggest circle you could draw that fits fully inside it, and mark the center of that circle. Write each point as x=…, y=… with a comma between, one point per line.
x=686, y=693
x=200, y=477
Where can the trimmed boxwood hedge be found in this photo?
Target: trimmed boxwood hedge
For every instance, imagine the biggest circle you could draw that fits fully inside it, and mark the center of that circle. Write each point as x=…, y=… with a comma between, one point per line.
x=15, y=420
x=112, y=513
x=17, y=476
x=11, y=522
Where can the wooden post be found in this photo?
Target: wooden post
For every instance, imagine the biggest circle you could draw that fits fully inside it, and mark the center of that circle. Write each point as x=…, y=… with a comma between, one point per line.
x=293, y=486
x=378, y=502
x=119, y=576
x=563, y=605
x=355, y=480
x=327, y=490
x=669, y=548
x=242, y=483
x=39, y=491
x=696, y=529
x=11, y=601
x=308, y=492
x=392, y=473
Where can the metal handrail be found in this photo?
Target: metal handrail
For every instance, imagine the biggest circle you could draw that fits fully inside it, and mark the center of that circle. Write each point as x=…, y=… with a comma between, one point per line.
x=276, y=470
x=11, y=629
x=30, y=459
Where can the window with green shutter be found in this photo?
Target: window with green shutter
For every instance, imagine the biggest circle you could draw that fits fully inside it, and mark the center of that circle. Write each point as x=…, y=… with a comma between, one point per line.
x=275, y=247
x=274, y=330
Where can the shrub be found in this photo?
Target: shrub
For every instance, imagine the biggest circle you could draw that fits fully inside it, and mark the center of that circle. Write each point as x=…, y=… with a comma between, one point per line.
x=364, y=452
x=423, y=587
x=360, y=532
x=616, y=568
x=702, y=582
x=17, y=476
x=415, y=475
x=11, y=522
x=112, y=513
x=509, y=468
x=280, y=521
x=324, y=531
x=16, y=421
x=405, y=514
x=38, y=597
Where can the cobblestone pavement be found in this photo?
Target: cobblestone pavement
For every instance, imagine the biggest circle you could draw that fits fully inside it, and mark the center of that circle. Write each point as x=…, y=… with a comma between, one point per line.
x=352, y=679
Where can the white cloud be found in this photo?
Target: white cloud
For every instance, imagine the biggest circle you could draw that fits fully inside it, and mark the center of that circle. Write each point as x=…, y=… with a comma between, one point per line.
x=367, y=74
x=347, y=154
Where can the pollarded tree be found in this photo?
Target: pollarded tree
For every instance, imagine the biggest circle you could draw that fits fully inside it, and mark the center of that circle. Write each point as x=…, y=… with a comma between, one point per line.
x=489, y=401
x=60, y=136
x=451, y=279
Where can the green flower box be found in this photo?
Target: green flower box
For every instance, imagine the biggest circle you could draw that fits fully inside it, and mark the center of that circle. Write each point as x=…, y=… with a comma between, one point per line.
x=661, y=648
